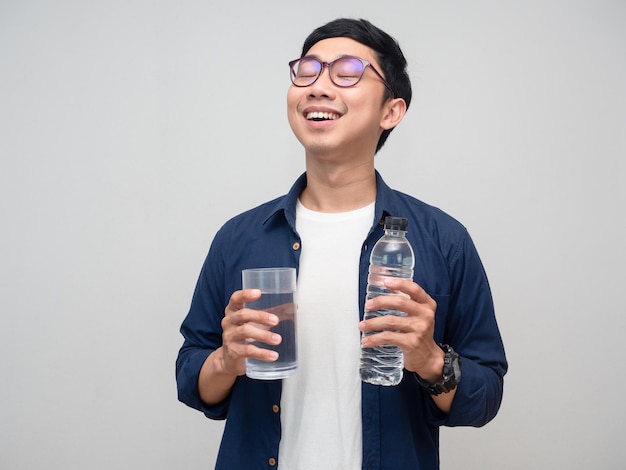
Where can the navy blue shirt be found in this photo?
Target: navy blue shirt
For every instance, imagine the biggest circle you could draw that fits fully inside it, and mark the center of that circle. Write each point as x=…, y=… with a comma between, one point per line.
x=401, y=423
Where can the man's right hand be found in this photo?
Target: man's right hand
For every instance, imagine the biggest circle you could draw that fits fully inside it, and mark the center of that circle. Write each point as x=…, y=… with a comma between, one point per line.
x=241, y=326
x=226, y=363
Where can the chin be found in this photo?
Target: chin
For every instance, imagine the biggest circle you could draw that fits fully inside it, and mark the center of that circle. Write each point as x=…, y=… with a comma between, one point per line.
x=319, y=147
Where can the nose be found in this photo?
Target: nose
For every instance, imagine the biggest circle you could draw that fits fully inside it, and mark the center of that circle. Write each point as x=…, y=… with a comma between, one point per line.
x=323, y=86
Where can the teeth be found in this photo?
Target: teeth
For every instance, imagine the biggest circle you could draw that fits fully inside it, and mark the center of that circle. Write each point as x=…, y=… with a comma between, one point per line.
x=320, y=115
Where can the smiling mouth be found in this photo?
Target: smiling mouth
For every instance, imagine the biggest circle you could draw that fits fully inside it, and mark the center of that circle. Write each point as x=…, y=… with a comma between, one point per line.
x=319, y=116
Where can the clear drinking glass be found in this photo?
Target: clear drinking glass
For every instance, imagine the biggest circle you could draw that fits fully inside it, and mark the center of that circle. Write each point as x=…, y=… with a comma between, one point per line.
x=278, y=287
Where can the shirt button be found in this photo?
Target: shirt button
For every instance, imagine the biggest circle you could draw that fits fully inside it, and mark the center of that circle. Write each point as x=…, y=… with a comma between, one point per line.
x=275, y=408
x=296, y=246
x=272, y=461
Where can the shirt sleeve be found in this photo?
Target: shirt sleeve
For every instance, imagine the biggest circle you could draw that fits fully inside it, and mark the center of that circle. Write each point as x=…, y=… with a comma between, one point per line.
x=471, y=329
x=202, y=332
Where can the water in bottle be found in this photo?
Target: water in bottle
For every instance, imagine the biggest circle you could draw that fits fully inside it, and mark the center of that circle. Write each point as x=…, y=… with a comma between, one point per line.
x=392, y=256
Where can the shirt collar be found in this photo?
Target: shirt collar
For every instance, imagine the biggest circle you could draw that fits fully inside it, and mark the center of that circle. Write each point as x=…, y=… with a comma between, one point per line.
x=385, y=201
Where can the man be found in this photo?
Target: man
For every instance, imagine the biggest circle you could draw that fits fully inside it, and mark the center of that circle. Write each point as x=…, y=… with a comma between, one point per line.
x=349, y=90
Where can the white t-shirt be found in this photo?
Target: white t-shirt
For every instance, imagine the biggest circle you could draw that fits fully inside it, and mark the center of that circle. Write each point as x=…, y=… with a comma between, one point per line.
x=321, y=404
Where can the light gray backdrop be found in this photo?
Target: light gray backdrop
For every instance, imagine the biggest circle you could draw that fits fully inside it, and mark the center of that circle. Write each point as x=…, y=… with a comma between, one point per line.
x=131, y=130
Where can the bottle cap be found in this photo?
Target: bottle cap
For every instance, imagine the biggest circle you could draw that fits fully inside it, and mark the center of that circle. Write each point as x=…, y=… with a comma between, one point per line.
x=396, y=223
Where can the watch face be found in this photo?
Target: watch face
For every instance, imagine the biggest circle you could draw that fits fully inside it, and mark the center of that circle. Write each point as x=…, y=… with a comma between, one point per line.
x=456, y=368
x=452, y=368
x=451, y=373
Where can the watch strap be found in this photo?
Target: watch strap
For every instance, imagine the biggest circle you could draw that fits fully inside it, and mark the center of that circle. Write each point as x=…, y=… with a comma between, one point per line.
x=451, y=373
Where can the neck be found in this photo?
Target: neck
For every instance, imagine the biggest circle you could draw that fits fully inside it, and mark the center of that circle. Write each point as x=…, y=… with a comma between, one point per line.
x=337, y=188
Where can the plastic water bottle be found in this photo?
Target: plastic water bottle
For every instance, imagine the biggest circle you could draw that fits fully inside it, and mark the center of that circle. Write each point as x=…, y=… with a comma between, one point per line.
x=392, y=256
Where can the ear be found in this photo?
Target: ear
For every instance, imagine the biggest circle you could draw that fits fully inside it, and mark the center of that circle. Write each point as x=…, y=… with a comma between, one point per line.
x=394, y=111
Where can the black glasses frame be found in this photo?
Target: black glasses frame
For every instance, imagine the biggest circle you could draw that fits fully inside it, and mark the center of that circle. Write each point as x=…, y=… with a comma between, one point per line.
x=366, y=64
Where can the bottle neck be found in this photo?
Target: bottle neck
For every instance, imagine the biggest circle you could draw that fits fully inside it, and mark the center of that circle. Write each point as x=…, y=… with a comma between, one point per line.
x=395, y=233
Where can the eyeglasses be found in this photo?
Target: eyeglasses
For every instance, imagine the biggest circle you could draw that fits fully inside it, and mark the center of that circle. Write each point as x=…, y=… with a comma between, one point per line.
x=344, y=72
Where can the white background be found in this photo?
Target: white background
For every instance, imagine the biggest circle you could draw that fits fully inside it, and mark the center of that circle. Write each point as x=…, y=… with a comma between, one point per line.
x=131, y=130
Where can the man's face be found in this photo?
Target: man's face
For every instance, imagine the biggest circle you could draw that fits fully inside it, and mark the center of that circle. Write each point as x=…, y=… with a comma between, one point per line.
x=354, y=114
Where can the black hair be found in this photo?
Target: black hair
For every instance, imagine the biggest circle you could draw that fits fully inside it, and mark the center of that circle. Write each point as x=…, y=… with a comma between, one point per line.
x=389, y=55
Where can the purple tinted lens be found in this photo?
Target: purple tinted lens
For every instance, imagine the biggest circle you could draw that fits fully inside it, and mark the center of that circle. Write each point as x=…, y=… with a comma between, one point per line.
x=305, y=71
x=347, y=71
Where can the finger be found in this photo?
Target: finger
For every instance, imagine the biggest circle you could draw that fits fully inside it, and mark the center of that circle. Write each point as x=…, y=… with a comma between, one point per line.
x=240, y=297
x=248, y=323
x=235, y=355
x=411, y=289
x=392, y=303
x=252, y=341
x=249, y=341
x=399, y=303
x=388, y=322
x=252, y=332
x=414, y=347
x=262, y=354
x=407, y=286
x=389, y=338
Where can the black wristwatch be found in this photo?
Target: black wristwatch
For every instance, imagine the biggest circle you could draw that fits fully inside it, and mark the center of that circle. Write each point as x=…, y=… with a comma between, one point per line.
x=451, y=373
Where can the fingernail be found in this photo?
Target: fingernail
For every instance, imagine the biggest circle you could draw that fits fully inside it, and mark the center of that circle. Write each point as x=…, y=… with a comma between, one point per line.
x=276, y=338
x=362, y=326
x=273, y=319
x=273, y=355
